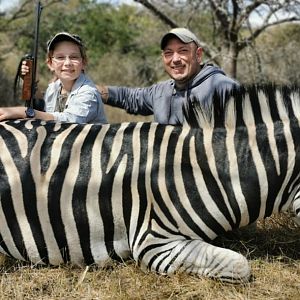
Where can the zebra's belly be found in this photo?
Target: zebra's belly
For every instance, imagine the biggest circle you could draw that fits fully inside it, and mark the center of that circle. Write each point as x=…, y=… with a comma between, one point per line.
x=68, y=246
x=58, y=231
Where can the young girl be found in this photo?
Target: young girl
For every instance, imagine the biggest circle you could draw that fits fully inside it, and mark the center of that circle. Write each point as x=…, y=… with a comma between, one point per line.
x=72, y=97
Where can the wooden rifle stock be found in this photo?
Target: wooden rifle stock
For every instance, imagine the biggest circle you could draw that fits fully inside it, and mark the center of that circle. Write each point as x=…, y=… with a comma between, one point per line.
x=27, y=81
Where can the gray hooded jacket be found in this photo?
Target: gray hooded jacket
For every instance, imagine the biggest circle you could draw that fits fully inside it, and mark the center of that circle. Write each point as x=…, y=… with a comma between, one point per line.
x=165, y=101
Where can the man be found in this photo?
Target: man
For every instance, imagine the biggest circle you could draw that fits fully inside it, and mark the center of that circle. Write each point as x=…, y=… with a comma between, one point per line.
x=181, y=55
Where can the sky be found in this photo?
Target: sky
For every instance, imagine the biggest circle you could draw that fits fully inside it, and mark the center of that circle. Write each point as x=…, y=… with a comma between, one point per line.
x=6, y=4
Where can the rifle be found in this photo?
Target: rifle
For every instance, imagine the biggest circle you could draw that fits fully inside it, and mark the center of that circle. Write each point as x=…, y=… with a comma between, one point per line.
x=29, y=80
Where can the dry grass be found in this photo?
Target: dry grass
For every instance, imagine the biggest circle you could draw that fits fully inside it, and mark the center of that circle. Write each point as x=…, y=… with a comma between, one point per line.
x=273, y=250
x=117, y=115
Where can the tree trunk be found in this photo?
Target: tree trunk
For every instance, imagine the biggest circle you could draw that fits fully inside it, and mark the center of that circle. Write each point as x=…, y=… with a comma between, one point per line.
x=229, y=61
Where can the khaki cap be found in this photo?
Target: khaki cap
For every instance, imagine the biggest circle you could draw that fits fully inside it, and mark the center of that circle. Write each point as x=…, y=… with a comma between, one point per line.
x=63, y=36
x=185, y=35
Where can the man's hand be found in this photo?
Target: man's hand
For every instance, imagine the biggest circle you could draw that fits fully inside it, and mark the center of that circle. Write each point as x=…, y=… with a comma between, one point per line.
x=103, y=90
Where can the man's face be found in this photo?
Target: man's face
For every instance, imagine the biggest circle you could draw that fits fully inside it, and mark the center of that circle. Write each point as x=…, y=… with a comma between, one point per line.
x=181, y=61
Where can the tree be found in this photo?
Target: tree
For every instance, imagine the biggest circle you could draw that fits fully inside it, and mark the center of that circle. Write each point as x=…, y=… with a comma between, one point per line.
x=231, y=21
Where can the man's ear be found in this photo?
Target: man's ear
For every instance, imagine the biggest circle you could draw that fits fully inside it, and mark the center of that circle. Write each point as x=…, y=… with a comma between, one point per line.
x=199, y=54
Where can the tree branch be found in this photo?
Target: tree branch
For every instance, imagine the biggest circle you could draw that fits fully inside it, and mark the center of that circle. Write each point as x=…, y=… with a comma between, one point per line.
x=257, y=32
x=158, y=13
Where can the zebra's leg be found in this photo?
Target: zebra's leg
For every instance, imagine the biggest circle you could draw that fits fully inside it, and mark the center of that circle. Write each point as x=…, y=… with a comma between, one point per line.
x=195, y=257
x=296, y=208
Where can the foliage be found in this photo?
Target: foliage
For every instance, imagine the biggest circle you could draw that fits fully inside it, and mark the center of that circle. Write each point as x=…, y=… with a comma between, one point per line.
x=6, y=97
x=273, y=58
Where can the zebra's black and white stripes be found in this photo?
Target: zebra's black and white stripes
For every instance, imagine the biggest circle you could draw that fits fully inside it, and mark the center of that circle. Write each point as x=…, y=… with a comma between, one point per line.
x=88, y=193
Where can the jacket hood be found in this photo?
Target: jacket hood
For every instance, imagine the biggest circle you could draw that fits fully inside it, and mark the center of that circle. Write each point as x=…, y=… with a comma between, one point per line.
x=206, y=71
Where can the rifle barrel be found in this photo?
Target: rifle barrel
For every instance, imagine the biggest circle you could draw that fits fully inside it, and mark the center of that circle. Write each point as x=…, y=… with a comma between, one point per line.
x=35, y=53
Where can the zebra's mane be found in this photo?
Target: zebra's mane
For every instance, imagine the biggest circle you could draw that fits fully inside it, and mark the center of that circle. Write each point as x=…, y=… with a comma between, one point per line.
x=247, y=104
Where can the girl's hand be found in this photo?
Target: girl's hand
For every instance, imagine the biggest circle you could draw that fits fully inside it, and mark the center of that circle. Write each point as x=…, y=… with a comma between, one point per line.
x=24, y=68
x=7, y=113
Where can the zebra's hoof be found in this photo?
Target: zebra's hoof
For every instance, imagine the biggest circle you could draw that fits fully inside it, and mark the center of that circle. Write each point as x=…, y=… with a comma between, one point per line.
x=296, y=220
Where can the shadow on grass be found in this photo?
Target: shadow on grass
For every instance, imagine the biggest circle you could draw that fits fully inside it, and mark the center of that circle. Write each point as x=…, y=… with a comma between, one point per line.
x=275, y=237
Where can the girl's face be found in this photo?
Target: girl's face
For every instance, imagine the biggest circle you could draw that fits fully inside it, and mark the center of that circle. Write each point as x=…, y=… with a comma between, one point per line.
x=66, y=62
